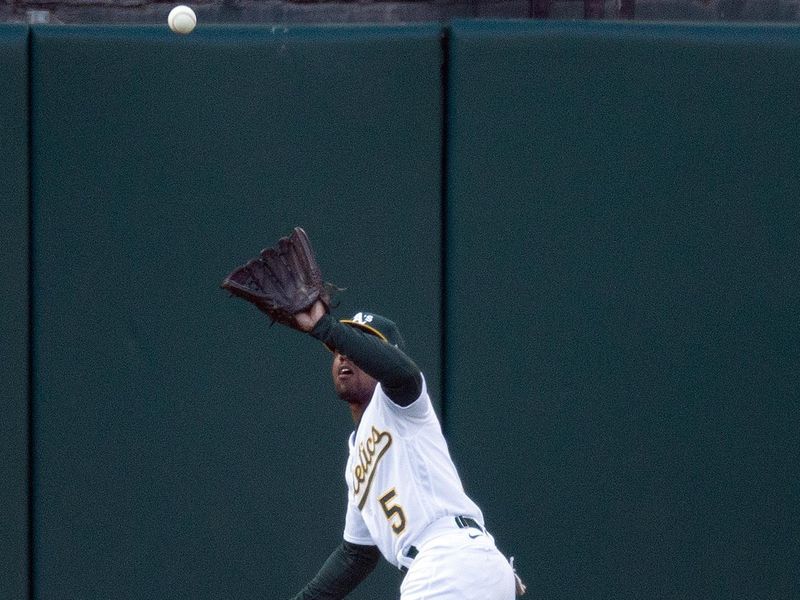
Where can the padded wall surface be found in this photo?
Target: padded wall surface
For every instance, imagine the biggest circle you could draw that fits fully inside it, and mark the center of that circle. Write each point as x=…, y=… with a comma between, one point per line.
x=185, y=448
x=14, y=311
x=622, y=303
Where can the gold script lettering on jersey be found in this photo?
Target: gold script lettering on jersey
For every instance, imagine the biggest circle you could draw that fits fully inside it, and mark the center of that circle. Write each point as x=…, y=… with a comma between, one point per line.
x=370, y=453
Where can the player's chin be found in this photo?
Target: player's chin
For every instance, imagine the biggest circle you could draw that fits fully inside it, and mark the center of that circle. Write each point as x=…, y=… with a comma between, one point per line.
x=342, y=390
x=349, y=393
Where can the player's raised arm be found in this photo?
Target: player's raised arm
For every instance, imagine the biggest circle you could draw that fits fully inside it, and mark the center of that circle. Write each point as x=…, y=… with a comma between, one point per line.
x=285, y=282
x=369, y=347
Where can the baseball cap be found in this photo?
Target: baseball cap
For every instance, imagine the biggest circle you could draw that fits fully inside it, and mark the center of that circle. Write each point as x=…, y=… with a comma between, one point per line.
x=379, y=326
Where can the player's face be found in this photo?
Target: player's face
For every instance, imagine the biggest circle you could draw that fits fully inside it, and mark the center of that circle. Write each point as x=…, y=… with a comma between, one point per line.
x=351, y=383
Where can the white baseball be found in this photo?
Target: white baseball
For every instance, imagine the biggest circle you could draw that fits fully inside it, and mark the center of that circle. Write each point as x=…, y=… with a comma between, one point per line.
x=182, y=19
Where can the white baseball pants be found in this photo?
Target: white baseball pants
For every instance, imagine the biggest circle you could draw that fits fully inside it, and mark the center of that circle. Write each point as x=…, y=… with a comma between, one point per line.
x=463, y=564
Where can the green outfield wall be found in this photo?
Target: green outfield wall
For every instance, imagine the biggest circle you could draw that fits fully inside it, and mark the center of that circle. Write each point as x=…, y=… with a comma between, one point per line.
x=622, y=300
x=586, y=231
x=14, y=312
x=185, y=449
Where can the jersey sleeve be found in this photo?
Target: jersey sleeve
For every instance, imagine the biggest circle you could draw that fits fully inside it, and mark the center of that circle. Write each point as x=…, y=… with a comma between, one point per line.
x=418, y=410
x=355, y=529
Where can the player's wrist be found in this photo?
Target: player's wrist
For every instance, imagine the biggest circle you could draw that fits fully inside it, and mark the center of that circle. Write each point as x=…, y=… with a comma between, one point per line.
x=321, y=329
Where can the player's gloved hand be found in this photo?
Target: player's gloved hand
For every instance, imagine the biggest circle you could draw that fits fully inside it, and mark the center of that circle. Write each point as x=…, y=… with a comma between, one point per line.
x=306, y=320
x=283, y=281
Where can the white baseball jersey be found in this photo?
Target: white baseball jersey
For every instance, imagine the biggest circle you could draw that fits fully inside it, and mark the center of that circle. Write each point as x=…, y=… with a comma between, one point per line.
x=400, y=476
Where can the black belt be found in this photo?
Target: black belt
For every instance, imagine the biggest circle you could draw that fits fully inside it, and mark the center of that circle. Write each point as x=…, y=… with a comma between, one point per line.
x=467, y=522
x=461, y=522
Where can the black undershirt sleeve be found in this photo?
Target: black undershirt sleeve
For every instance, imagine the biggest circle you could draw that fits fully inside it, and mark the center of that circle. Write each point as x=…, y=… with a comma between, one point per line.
x=400, y=378
x=346, y=567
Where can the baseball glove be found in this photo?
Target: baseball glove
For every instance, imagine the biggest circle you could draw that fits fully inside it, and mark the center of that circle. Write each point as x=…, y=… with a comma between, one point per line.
x=282, y=281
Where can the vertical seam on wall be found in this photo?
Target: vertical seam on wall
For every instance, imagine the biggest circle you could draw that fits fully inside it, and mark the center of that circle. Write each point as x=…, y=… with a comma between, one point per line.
x=444, y=81
x=30, y=359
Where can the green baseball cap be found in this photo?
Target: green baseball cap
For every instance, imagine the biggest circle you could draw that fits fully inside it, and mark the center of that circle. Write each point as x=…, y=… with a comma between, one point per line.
x=379, y=326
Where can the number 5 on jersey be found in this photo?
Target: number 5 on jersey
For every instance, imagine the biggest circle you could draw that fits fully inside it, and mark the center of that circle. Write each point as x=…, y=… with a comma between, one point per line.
x=393, y=511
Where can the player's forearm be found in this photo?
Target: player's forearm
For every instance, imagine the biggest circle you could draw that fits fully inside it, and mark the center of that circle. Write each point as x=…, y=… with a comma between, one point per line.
x=346, y=567
x=400, y=377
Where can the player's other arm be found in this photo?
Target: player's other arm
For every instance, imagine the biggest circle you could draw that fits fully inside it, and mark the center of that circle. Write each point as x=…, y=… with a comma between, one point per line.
x=346, y=567
x=399, y=376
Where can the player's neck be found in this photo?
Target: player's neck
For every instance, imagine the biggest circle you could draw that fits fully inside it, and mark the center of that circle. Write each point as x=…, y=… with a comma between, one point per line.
x=357, y=411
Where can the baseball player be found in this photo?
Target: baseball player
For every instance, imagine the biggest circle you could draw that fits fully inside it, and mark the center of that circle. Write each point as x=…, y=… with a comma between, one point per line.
x=405, y=499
